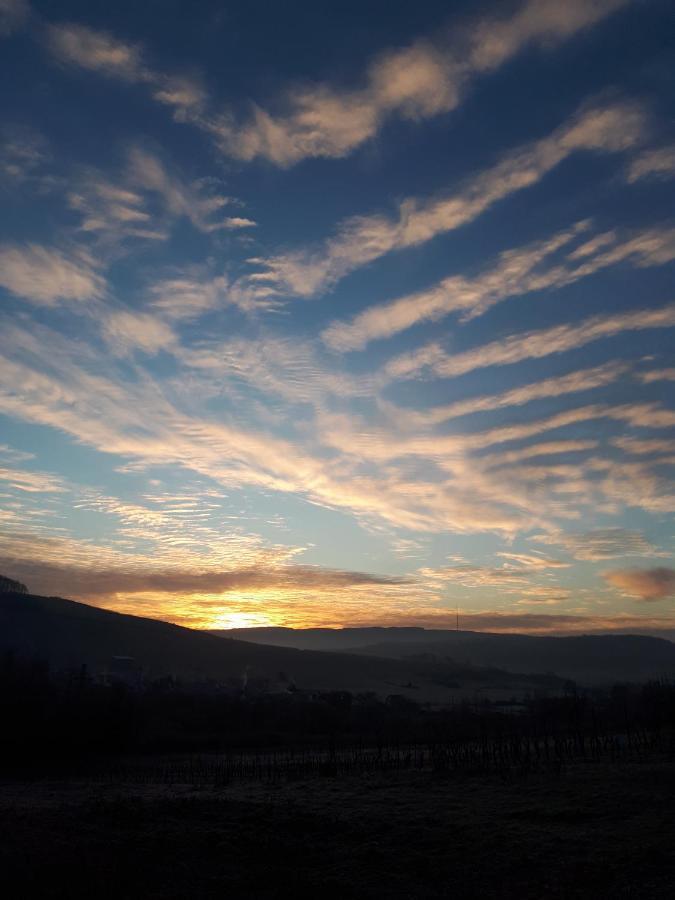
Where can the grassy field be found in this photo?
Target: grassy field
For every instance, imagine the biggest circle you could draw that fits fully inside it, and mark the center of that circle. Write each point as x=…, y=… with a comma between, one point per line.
x=597, y=830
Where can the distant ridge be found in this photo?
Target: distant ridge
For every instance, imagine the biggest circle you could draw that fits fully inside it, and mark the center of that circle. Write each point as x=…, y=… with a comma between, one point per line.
x=592, y=658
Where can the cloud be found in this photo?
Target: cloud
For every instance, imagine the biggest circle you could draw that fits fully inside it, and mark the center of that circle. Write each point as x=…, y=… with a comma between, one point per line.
x=543, y=596
x=657, y=375
x=549, y=448
x=512, y=275
x=526, y=345
x=414, y=83
x=76, y=391
x=284, y=595
x=199, y=589
x=93, y=583
x=23, y=151
x=13, y=16
x=657, y=164
x=639, y=484
x=112, y=211
x=498, y=483
x=558, y=386
x=475, y=576
x=644, y=584
x=601, y=543
x=273, y=365
x=424, y=483
x=528, y=561
x=236, y=222
x=189, y=295
x=517, y=570
x=125, y=331
x=518, y=272
x=640, y=447
x=181, y=198
x=99, y=51
x=46, y=276
x=32, y=482
x=11, y=454
x=144, y=201
x=360, y=240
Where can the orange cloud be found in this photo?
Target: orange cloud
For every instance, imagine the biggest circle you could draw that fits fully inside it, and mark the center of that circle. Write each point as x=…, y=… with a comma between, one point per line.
x=645, y=584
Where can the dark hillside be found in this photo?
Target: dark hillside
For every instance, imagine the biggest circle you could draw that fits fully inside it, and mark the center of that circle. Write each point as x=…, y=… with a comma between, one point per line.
x=69, y=635
x=594, y=659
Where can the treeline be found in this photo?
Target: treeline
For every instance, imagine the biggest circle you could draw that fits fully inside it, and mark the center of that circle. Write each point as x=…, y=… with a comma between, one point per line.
x=65, y=721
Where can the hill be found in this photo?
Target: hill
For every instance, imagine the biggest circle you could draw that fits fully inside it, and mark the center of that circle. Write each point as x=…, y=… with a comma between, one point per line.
x=589, y=659
x=69, y=635
x=9, y=586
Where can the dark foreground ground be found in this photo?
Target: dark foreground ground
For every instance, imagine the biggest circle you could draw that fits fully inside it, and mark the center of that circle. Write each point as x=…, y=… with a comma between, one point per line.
x=593, y=831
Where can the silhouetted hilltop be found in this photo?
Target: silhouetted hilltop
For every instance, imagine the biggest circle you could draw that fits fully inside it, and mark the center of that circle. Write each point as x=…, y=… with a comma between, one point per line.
x=69, y=634
x=591, y=659
x=9, y=586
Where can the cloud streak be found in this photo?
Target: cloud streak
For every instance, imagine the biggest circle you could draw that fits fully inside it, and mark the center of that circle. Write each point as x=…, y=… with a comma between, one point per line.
x=101, y=52
x=562, y=385
x=432, y=359
x=415, y=83
x=657, y=164
x=599, y=544
x=517, y=273
x=46, y=276
x=361, y=240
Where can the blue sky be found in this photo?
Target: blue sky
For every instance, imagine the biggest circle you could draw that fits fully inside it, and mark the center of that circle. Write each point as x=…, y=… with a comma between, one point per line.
x=324, y=314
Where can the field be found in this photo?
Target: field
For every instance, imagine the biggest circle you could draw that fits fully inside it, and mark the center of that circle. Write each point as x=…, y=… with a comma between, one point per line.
x=593, y=830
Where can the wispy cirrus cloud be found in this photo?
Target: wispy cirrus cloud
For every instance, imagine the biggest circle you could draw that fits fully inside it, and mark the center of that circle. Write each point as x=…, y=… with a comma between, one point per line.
x=138, y=421
x=414, y=83
x=182, y=198
x=518, y=272
x=274, y=366
x=653, y=375
x=47, y=276
x=146, y=199
x=99, y=51
x=23, y=153
x=512, y=275
x=189, y=294
x=515, y=571
x=378, y=445
x=126, y=331
x=657, y=163
x=186, y=294
x=433, y=359
x=560, y=385
x=112, y=211
x=11, y=454
x=32, y=482
x=600, y=543
x=644, y=446
x=609, y=128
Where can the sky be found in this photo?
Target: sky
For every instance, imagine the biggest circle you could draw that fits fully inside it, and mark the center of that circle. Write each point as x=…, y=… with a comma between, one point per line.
x=327, y=314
